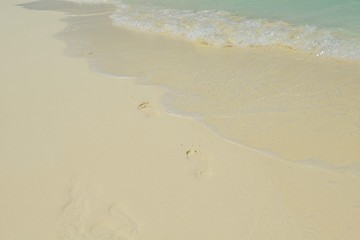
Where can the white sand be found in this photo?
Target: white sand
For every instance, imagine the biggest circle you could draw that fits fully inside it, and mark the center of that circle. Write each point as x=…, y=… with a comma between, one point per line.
x=84, y=156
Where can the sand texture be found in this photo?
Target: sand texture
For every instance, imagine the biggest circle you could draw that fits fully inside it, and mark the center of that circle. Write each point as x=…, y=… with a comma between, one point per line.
x=85, y=156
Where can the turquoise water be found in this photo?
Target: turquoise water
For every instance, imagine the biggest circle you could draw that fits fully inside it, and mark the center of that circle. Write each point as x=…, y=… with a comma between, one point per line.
x=320, y=27
x=325, y=13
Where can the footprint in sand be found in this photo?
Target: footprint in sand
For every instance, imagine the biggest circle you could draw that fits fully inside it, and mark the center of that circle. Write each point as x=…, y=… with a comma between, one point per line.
x=201, y=161
x=114, y=225
x=85, y=216
x=149, y=109
x=89, y=53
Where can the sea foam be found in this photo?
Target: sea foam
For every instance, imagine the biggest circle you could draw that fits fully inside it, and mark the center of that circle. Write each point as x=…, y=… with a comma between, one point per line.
x=226, y=29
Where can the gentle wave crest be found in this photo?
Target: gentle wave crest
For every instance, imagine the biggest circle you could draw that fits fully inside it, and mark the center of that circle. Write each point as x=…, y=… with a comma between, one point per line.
x=225, y=29
x=92, y=1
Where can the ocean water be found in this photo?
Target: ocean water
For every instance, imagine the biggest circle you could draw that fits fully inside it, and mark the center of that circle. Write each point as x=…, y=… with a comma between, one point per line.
x=320, y=27
x=280, y=77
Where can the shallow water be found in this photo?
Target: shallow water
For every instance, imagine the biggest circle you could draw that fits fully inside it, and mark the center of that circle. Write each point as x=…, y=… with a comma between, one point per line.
x=283, y=102
x=324, y=13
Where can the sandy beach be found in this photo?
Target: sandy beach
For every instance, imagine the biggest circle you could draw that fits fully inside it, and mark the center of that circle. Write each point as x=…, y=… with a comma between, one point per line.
x=86, y=156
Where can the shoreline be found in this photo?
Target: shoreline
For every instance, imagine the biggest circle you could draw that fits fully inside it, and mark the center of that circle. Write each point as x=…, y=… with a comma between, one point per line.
x=299, y=107
x=87, y=156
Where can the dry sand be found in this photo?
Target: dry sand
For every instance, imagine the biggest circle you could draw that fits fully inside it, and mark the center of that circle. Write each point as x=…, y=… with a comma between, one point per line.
x=84, y=156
